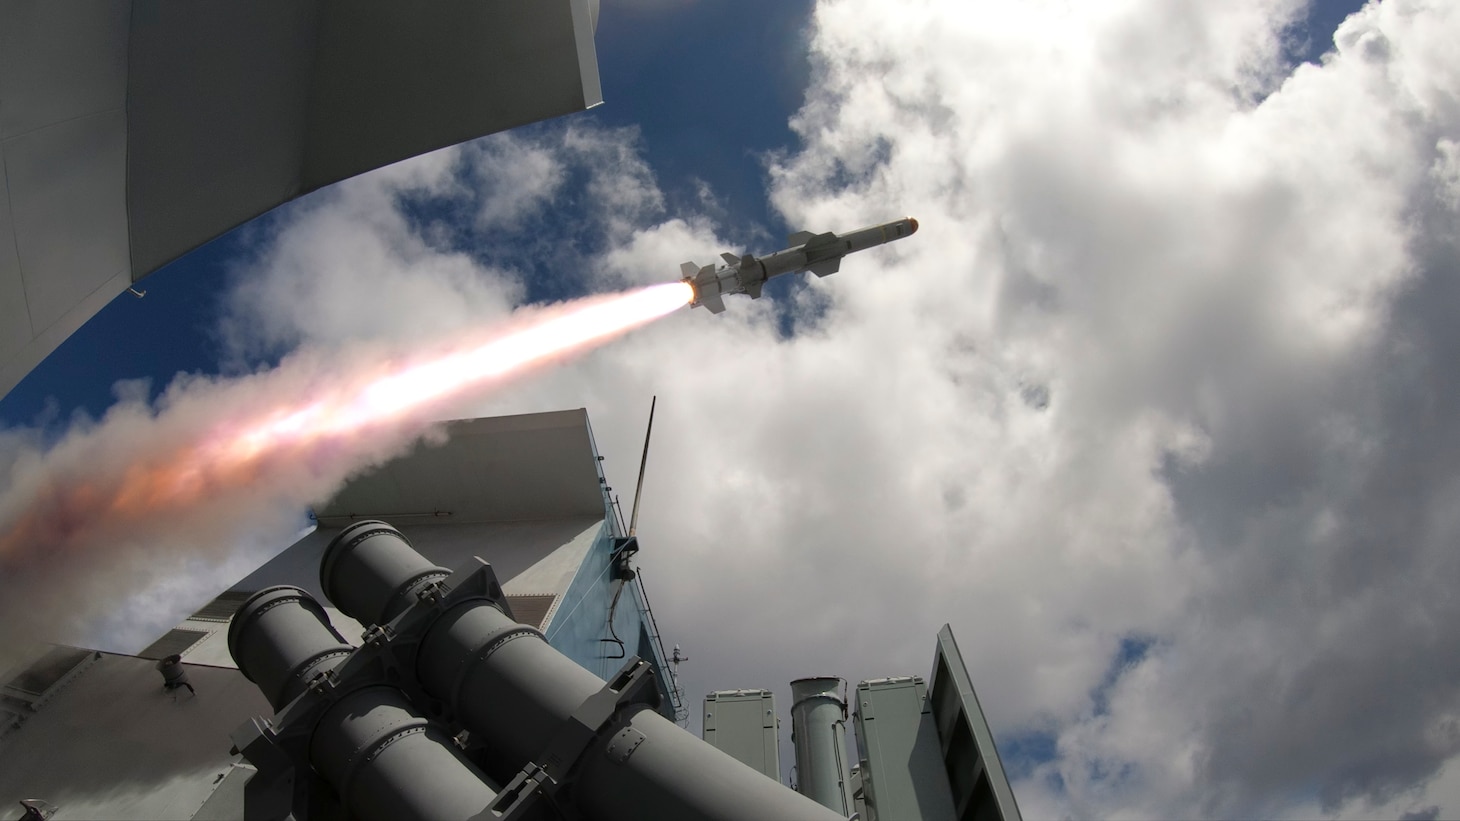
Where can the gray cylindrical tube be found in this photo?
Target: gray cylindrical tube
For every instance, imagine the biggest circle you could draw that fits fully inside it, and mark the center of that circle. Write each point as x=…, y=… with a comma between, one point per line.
x=510, y=687
x=673, y=774
x=385, y=761
x=390, y=764
x=512, y=690
x=819, y=730
x=505, y=683
x=371, y=572
x=280, y=638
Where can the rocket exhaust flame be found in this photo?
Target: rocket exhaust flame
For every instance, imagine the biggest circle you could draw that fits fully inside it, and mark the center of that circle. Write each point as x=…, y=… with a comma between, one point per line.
x=386, y=397
x=144, y=476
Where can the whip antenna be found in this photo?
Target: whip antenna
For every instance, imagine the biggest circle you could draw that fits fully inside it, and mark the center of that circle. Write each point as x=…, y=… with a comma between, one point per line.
x=634, y=517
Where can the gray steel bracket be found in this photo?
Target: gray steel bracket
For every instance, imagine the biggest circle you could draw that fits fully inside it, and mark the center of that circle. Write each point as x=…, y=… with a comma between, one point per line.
x=633, y=685
x=281, y=789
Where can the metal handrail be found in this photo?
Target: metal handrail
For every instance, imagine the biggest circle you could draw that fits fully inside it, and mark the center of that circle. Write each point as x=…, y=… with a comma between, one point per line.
x=676, y=695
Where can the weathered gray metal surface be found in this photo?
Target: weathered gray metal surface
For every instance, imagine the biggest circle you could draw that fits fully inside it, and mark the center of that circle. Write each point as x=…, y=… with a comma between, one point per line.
x=523, y=468
x=902, y=763
x=819, y=731
x=41, y=676
x=976, y=775
x=132, y=133
x=743, y=725
x=226, y=802
x=112, y=743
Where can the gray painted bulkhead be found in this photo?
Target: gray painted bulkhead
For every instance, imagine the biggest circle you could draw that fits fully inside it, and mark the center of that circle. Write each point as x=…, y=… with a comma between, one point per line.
x=133, y=131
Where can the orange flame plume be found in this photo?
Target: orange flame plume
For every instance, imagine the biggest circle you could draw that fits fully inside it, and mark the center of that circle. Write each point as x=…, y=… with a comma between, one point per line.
x=76, y=506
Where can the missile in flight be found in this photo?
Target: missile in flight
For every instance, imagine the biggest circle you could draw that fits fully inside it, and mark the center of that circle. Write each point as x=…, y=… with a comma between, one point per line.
x=821, y=254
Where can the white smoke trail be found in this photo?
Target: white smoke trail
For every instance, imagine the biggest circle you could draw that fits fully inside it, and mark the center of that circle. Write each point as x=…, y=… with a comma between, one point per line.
x=112, y=506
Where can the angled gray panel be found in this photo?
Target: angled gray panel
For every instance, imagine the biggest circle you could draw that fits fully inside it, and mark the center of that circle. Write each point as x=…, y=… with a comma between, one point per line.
x=113, y=744
x=60, y=61
x=226, y=802
x=508, y=468
x=47, y=339
x=48, y=671
x=980, y=789
x=217, y=95
x=15, y=329
x=133, y=132
x=68, y=205
x=61, y=65
x=174, y=642
x=531, y=609
x=392, y=82
x=223, y=607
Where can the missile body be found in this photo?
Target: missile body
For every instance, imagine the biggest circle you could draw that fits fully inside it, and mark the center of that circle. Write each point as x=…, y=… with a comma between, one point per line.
x=821, y=254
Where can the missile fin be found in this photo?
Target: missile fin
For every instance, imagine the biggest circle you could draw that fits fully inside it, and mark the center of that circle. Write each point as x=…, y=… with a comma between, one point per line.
x=826, y=267
x=689, y=269
x=753, y=289
x=799, y=238
x=821, y=240
x=730, y=259
x=714, y=303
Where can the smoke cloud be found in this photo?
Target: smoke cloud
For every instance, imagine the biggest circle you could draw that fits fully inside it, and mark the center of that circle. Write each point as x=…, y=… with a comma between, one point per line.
x=116, y=505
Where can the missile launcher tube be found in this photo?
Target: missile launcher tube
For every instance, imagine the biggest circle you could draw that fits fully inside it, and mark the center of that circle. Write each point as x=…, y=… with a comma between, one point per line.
x=281, y=638
x=388, y=763
x=479, y=661
x=819, y=731
x=510, y=688
x=367, y=578
x=674, y=774
x=385, y=761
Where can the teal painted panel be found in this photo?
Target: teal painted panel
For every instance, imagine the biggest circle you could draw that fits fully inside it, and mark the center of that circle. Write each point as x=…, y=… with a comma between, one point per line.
x=903, y=778
x=743, y=724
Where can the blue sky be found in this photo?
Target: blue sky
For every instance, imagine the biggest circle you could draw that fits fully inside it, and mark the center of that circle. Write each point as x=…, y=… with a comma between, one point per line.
x=1137, y=412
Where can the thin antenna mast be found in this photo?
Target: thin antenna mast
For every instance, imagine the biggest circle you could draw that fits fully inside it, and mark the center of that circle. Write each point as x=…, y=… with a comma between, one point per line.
x=634, y=518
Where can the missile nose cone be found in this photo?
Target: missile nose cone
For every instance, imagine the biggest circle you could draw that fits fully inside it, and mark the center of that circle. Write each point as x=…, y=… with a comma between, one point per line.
x=913, y=225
